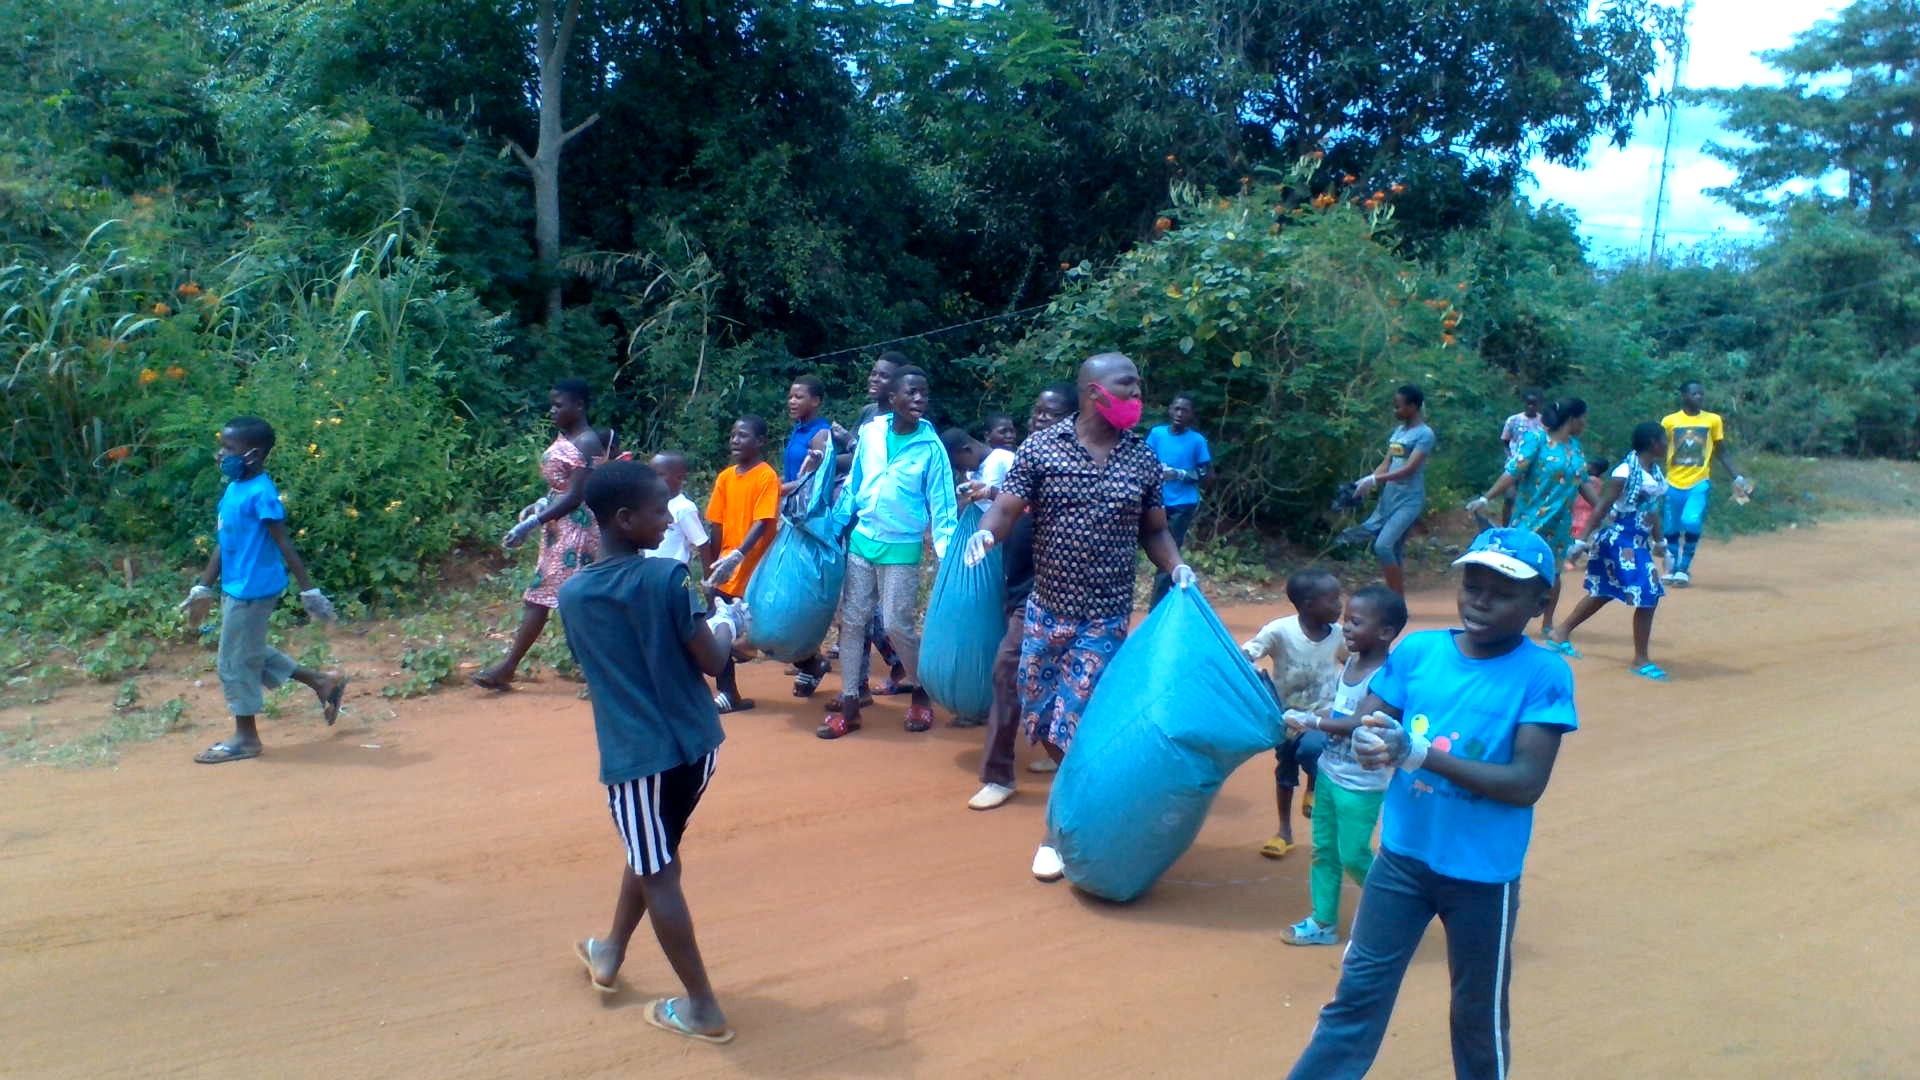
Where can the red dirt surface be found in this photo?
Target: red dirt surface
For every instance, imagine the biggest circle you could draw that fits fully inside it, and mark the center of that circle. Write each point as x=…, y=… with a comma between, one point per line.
x=1721, y=885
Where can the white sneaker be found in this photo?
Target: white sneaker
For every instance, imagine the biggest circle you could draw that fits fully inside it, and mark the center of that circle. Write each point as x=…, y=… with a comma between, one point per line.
x=1047, y=865
x=1679, y=579
x=1042, y=765
x=990, y=796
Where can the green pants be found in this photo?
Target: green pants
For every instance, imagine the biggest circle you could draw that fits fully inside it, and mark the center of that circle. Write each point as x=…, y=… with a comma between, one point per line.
x=1343, y=822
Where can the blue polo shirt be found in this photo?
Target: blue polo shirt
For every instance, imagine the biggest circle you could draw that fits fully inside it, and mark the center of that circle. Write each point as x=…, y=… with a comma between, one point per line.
x=1468, y=708
x=251, y=566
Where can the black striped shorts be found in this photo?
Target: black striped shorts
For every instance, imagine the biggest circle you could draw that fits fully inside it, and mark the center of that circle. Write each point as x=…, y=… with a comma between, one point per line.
x=651, y=813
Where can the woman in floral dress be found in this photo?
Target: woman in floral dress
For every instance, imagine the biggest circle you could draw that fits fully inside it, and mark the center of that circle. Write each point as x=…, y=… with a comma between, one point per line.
x=1627, y=540
x=1548, y=471
x=569, y=539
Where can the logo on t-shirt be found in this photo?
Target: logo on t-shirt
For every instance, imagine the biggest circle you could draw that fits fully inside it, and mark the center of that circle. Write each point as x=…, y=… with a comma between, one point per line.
x=1690, y=446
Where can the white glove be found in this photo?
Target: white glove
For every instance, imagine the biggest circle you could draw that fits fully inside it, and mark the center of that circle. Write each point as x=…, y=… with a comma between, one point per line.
x=1477, y=504
x=519, y=533
x=197, y=594
x=318, y=606
x=1743, y=484
x=1578, y=550
x=734, y=615
x=977, y=547
x=1171, y=473
x=1253, y=650
x=535, y=508
x=723, y=568
x=1660, y=549
x=1300, y=720
x=1365, y=484
x=1404, y=748
x=1184, y=577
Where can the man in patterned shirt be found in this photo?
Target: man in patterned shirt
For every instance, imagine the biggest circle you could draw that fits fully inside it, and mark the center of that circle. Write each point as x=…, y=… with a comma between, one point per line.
x=1094, y=488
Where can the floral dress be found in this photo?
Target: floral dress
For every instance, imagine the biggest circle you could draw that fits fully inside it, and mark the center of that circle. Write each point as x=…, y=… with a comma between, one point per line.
x=1621, y=566
x=571, y=542
x=1549, y=477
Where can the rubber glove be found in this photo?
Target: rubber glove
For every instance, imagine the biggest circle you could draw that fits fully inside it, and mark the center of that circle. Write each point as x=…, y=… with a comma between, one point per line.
x=318, y=606
x=519, y=533
x=1477, y=504
x=723, y=568
x=977, y=547
x=198, y=594
x=1364, y=484
x=1184, y=577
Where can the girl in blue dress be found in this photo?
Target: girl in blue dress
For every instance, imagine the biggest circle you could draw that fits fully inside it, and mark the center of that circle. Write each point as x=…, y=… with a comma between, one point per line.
x=1627, y=539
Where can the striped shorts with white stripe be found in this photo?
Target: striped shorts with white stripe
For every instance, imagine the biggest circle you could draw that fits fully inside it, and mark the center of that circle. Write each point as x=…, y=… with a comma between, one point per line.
x=651, y=813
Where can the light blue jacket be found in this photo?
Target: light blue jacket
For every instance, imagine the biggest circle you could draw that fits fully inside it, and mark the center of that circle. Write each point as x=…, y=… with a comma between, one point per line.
x=899, y=501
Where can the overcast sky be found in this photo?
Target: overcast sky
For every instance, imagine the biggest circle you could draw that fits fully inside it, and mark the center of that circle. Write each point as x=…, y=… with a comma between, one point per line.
x=1613, y=192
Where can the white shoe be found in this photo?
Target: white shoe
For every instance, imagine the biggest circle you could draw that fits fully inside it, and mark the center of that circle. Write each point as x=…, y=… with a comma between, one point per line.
x=1047, y=865
x=1042, y=765
x=1679, y=579
x=990, y=796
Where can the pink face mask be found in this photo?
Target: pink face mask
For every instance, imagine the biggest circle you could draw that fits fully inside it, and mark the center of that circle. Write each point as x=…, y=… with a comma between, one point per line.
x=1121, y=414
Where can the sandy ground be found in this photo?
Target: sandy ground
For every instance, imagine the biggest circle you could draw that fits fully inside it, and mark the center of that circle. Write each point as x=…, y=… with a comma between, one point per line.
x=1721, y=885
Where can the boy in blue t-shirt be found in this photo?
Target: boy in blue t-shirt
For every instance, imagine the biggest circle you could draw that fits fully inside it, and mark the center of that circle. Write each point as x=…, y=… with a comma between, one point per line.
x=642, y=651
x=1472, y=719
x=1184, y=462
x=251, y=562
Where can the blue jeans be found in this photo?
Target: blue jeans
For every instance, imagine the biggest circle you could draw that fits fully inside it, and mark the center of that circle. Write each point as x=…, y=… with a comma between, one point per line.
x=1401, y=897
x=1293, y=755
x=1685, y=519
x=1179, y=518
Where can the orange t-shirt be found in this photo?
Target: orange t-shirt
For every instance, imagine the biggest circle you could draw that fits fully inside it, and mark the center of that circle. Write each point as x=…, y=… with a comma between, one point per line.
x=738, y=500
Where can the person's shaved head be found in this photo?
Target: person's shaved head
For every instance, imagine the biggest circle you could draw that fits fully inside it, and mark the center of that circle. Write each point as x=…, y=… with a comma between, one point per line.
x=1101, y=366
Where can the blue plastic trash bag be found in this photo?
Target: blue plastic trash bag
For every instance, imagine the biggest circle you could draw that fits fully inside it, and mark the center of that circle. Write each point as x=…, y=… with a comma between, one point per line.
x=1176, y=712
x=796, y=589
x=966, y=618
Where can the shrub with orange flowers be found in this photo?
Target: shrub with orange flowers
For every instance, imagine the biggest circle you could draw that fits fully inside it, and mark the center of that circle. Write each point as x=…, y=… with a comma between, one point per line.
x=148, y=376
x=190, y=290
x=162, y=310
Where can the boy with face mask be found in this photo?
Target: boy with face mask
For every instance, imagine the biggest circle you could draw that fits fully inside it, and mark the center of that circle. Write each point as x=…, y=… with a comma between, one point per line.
x=251, y=562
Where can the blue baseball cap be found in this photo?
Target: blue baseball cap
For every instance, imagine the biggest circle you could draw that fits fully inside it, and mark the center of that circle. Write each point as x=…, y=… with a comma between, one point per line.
x=1515, y=553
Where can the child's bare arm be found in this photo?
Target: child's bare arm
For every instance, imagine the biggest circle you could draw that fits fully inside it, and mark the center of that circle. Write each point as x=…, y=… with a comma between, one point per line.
x=1262, y=644
x=212, y=573
x=278, y=530
x=711, y=648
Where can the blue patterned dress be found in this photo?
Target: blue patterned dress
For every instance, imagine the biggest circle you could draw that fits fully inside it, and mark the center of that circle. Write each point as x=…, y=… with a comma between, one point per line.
x=1622, y=566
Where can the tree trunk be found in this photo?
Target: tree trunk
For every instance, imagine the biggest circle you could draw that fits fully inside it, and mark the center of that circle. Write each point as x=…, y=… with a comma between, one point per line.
x=552, y=37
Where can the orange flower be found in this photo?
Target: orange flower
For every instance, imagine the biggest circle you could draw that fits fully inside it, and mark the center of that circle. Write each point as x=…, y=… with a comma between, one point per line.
x=148, y=376
x=119, y=453
x=190, y=290
x=1245, y=181
x=1348, y=178
x=1380, y=195
x=1162, y=224
x=1461, y=285
x=1066, y=266
x=162, y=310
x=1435, y=304
x=1223, y=205
x=176, y=372
x=1323, y=200
x=1371, y=204
x=1171, y=159
x=1319, y=155
x=1398, y=189
x=1448, y=339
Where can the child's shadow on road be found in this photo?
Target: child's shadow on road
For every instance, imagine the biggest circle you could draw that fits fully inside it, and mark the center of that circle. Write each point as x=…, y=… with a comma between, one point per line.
x=829, y=1037
x=345, y=748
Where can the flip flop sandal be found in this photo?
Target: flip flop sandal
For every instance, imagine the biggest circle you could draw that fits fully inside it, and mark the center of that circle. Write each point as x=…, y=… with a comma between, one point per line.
x=919, y=718
x=804, y=684
x=1277, y=848
x=837, y=725
x=330, y=706
x=662, y=1014
x=726, y=705
x=220, y=753
x=1566, y=649
x=894, y=689
x=865, y=699
x=584, y=950
x=489, y=682
x=1653, y=672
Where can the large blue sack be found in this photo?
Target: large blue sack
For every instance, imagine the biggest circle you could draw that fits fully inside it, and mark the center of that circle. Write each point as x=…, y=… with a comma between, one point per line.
x=1175, y=713
x=966, y=618
x=795, y=590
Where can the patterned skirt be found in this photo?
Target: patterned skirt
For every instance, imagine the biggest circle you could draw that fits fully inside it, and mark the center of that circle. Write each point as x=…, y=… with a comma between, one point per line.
x=1061, y=661
x=1622, y=564
x=566, y=545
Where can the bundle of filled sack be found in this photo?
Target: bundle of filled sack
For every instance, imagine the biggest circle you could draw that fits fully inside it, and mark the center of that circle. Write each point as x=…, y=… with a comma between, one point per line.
x=796, y=589
x=966, y=618
x=1176, y=712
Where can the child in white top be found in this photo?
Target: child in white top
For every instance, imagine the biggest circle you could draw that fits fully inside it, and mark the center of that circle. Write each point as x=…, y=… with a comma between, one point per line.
x=1306, y=655
x=688, y=533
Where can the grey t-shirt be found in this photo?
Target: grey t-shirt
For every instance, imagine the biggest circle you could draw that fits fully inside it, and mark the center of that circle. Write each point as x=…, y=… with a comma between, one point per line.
x=1401, y=446
x=628, y=623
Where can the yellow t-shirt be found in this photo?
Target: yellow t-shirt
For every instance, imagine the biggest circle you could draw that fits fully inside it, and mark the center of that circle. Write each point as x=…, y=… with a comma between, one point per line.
x=738, y=500
x=1691, y=441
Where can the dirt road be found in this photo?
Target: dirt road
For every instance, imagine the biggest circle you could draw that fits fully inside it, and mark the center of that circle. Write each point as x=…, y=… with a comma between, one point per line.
x=1722, y=885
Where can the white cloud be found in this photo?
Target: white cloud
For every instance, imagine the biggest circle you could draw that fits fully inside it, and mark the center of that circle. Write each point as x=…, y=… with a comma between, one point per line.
x=1613, y=189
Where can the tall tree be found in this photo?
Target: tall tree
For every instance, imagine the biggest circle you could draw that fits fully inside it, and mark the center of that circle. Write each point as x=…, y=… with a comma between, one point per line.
x=553, y=36
x=1850, y=106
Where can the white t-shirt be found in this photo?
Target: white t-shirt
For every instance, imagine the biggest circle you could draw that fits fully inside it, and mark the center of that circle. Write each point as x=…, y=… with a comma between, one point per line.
x=1337, y=762
x=1305, y=671
x=1652, y=485
x=993, y=473
x=685, y=534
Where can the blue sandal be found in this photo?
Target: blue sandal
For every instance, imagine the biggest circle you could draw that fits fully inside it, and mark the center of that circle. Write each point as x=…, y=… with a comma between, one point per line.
x=1651, y=671
x=1566, y=649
